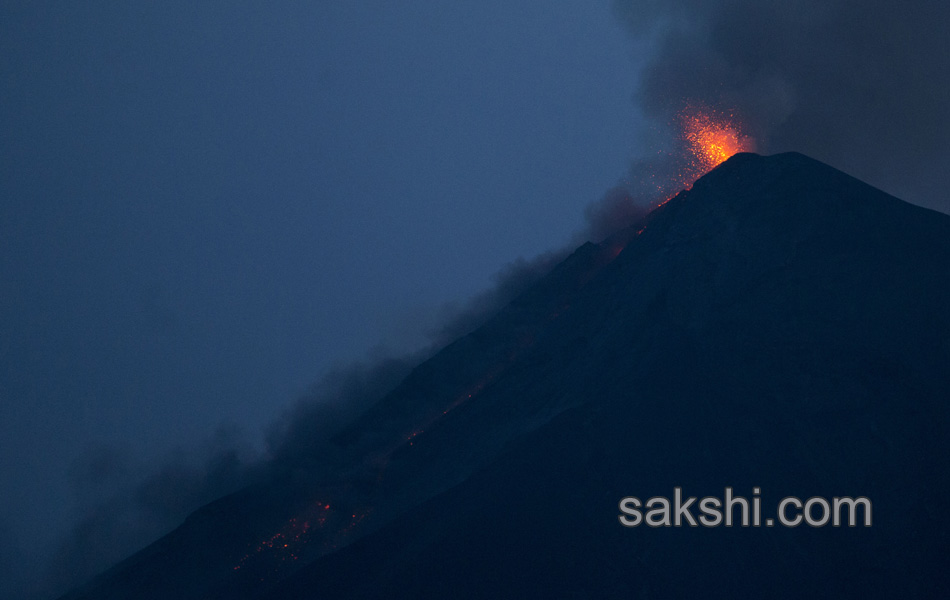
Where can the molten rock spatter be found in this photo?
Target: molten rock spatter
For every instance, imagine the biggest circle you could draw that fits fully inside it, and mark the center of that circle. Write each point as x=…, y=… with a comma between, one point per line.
x=711, y=137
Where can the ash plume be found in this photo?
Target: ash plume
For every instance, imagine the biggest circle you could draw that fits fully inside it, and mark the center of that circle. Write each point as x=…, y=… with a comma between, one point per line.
x=507, y=284
x=126, y=504
x=859, y=85
x=618, y=208
x=300, y=438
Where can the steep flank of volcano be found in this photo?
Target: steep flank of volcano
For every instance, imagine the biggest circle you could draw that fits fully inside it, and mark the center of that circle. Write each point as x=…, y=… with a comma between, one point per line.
x=781, y=325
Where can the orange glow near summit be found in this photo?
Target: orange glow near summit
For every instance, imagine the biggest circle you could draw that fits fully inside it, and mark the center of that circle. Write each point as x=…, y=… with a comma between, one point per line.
x=711, y=137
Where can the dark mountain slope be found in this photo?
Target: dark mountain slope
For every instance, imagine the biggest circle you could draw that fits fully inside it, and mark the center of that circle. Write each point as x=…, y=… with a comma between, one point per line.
x=780, y=325
x=416, y=442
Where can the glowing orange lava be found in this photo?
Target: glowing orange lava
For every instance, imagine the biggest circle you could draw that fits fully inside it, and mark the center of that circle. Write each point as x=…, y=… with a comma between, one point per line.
x=283, y=546
x=711, y=137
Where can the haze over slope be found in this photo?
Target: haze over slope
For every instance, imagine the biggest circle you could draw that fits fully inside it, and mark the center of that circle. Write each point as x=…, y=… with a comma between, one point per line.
x=779, y=325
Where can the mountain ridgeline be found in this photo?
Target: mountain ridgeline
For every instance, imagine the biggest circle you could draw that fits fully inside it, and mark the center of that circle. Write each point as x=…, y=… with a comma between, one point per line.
x=781, y=326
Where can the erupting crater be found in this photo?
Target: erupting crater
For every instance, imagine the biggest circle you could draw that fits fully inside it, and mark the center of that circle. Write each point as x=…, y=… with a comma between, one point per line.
x=711, y=137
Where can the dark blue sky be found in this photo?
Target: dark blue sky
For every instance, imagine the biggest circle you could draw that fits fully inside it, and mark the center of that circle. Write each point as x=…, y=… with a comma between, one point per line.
x=205, y=206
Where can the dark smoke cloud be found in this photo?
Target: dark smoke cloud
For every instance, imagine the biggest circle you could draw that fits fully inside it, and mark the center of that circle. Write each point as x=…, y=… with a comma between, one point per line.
x=620, y=207
x=860, y=85
x=507, y=284
x=126, y=505
x=300, y=439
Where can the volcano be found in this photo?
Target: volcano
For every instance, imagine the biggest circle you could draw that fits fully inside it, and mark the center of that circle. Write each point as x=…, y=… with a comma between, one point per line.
x=781, y=329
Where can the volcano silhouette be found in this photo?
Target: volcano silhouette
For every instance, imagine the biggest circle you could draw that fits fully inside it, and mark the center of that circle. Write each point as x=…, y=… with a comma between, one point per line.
x=780, y=326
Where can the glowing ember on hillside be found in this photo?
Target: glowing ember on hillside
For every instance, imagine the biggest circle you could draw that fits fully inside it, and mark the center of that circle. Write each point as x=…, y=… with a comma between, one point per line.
x=711, y=137
x=284, y=545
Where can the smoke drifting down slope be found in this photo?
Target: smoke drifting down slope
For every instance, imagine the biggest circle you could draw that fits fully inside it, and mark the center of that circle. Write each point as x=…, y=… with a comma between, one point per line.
x=765, y=321
x=126, y=505
x=825, y=78
x=146, y=506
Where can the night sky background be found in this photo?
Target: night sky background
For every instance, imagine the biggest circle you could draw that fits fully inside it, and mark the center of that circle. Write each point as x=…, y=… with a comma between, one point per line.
x=206, y=209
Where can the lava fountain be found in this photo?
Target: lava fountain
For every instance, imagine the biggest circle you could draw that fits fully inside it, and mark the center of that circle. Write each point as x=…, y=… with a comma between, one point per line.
x=710, y=137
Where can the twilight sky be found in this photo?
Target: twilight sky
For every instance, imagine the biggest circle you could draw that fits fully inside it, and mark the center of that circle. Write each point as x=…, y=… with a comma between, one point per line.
x=203, y=207
x=206, y=207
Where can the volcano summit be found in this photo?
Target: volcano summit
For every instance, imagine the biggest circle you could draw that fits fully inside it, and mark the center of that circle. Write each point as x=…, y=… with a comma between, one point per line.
x=780, y=326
